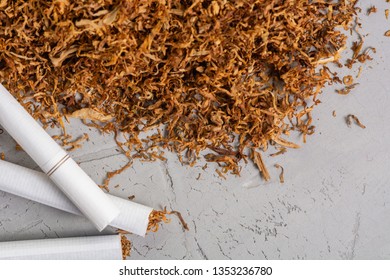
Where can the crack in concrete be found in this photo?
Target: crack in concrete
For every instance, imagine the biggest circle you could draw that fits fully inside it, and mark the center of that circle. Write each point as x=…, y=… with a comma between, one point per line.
x=96, y=159
x=200, y=249
x=29, y=226
x=221, y=250
x=170, y=182
x=355, y=236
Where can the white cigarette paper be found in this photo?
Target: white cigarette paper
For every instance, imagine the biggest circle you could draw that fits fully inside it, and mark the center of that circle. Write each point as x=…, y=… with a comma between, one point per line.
x=106, y=247
x=55, y=162
x=36, y=186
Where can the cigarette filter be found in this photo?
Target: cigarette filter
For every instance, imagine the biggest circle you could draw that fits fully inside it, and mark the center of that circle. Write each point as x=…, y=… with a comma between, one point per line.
x=105, y=247
x=55, y=162
x=37, y=186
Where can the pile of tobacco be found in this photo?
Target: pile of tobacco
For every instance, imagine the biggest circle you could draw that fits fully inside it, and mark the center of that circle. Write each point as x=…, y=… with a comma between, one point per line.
x=227, y=77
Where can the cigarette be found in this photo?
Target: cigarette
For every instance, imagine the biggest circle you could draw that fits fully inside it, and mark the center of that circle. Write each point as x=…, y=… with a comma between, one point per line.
x=105, y=247
x=37, y=186
x=55, y=162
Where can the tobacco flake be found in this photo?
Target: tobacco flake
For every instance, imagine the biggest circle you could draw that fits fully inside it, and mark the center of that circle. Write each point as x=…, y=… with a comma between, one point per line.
x=281, y=176
x=346, y=90
x=371, y=10
x=260, y=165
x=348, y=80
x=126, y=247
x=349, y=119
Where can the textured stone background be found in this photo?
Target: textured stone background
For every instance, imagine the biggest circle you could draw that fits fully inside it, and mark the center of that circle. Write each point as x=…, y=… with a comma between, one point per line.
x=335, y=203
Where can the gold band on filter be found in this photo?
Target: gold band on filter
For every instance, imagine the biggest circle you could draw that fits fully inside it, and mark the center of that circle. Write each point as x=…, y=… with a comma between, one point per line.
x=55, y=167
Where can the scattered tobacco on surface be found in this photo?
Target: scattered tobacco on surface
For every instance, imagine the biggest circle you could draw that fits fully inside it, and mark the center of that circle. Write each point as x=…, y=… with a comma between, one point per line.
x=156, y=217
x=126, y=247
x=223, y=76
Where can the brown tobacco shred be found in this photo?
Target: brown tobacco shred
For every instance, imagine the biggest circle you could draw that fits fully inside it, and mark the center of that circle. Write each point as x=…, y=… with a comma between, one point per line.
x=371, y=10
x=260, y=164
x=156, y=217
x=104, y=188
x=387, y=12
x=68, y=144
x=113, y=173
x=2, y=156
x=353, y=117
x=348, y=80
x=346, y=90
x=387, y=33
x=228, y=76
x=126, y=247
x=334, y=114
x=183, y=223
x=76, y=143
x=18, y=147
x=281, y=176
x=358, y=54
x=359, y=72
x=281, y=151
x=220, y=174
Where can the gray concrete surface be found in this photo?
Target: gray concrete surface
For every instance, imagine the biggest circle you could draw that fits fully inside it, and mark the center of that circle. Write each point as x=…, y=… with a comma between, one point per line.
x=335, y=203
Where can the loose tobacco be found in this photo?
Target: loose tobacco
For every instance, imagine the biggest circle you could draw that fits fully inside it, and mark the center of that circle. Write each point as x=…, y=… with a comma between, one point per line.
x=126, y=247
x=156, y=217
x=222, y=76
x=351, y=117
x=281, y=176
